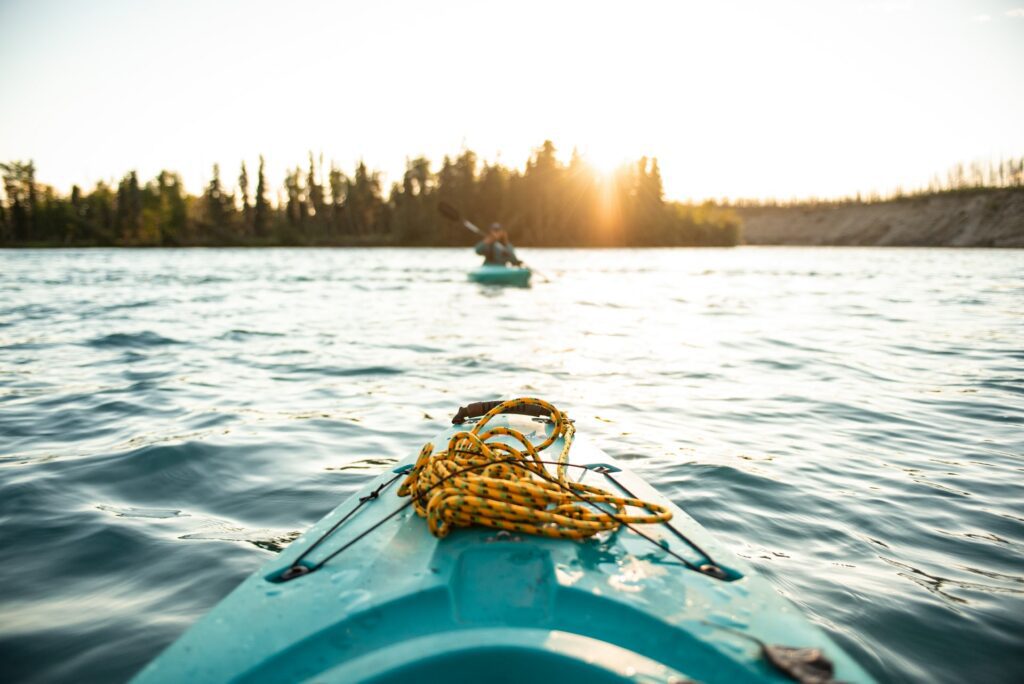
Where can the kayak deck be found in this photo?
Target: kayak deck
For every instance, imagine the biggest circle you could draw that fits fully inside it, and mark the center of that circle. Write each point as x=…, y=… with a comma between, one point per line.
x=391, y=602
x=492, y=274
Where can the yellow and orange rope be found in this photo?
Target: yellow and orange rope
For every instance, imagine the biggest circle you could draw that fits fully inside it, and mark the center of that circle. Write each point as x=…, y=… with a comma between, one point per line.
x=481, y=481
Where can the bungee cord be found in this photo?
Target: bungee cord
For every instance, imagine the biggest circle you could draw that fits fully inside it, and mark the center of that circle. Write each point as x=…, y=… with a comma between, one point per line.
x=509, y=488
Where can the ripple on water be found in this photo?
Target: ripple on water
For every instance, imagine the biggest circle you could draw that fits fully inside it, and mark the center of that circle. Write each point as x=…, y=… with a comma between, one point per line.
x=140, y=340
x=241, y=335
x=849, y=420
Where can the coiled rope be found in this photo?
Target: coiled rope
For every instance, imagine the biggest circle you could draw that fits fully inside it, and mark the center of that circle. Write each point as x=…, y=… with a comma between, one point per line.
x=479, y=480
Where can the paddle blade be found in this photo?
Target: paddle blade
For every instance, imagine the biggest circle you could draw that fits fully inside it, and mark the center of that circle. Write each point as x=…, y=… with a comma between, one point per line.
x=448, y=211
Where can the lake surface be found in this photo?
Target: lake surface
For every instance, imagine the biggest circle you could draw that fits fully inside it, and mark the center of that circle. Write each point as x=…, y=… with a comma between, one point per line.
x=848, y=420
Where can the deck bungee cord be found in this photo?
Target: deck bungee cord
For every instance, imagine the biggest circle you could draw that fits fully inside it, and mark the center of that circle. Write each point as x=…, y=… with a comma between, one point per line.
x=511, y=489
x=478, y=481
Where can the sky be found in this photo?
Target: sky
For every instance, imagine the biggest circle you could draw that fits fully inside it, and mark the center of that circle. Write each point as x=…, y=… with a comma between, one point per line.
x=736, y=98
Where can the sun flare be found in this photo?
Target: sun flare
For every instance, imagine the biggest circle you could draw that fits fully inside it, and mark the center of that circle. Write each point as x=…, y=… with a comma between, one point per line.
x=605, y=160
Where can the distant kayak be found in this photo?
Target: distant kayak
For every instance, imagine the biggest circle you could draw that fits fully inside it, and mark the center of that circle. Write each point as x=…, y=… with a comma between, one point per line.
x=491, y=274
x=546, y=570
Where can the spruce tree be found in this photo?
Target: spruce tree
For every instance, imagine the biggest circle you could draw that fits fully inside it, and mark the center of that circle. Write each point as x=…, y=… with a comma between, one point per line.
x=243, y=189
x=315, y=194
x=214, y=198
x=129, y=208
x=261, y=210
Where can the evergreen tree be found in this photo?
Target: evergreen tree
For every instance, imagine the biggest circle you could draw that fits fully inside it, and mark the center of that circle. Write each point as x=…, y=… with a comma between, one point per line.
x=296, y=204
x=33, y=197
x=76, y=224
x=340, y=224
x=216, y=203
x=129, y=209
x=315, y=194
x=243, y=189
x=100, y=214
x=540, y=189
x=261, y=210
x=493, y=188
x=19, y=179
x=365, y=203
x=172, y=227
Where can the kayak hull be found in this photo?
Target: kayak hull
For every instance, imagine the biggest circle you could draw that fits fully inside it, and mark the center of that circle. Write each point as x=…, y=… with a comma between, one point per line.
x=397, y=604
x=490, y=274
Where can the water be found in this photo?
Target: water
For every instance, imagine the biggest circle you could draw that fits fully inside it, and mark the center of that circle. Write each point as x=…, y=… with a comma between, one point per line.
x=848, y=420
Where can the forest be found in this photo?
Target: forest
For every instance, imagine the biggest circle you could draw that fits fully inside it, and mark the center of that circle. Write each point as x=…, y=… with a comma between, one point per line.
x=546, y=203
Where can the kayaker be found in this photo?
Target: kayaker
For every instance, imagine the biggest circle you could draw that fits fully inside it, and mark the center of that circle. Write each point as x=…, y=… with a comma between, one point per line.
x=496, y=248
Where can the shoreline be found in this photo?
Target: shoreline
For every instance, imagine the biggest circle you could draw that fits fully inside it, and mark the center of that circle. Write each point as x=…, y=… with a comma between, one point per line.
x=981, y=218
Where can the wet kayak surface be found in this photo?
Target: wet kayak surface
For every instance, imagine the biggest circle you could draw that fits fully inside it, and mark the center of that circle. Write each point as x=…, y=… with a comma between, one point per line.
x=493, y=274
x=847, y=421
x=369, y=594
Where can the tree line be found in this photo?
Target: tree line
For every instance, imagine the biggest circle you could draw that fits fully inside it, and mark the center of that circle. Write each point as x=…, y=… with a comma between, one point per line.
x=546, y=203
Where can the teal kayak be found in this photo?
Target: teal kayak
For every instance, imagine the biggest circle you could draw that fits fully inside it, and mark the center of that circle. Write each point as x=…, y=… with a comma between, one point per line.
x=491, y=274
x=369, y=594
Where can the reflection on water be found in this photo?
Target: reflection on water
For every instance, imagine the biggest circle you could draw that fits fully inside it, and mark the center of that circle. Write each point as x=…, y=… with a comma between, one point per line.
x=849, y=420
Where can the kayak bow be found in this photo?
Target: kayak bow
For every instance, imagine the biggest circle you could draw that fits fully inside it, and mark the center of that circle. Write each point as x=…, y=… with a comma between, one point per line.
x=369, y=594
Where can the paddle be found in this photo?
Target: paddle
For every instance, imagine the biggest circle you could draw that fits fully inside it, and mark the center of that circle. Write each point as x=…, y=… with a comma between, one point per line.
x=452, y=214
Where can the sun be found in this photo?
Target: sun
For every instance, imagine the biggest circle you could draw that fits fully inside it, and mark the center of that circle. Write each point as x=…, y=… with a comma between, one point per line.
x=605, y=160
